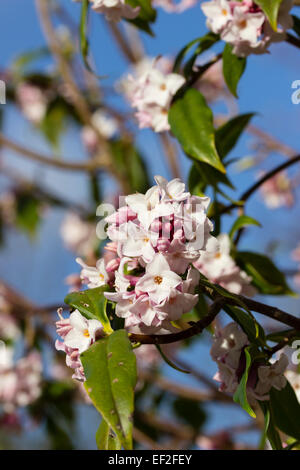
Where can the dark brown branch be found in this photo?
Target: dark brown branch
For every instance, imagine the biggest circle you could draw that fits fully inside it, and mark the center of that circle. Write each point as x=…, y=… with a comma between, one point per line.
x=197, y=328
x=246, y=195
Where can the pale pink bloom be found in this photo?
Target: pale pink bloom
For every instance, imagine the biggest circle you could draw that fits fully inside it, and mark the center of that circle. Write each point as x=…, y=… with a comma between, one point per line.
x=148, y=206
x=227, y=351
x=218, y=14
x=32, y=101
x=20, y=383
x=9, y=329
x=151, y=94
x=82, y=333
x=115, y=10
x=140, y=242
x=220, y=268
x=171, y=6
x=94, y=276
x=158, y=279
x=78, y=334
x=271, y=376
x=277, y=191
x=106, y=125
x=245, y=26
x=228, y=344
x=173, y=190
x=78, y=235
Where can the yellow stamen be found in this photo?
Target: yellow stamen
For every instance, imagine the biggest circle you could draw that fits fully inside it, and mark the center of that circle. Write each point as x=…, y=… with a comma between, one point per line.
x=158, y=279
x=86, y=333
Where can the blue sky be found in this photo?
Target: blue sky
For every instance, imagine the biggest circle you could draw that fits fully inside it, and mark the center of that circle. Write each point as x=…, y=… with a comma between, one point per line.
x=38, y=269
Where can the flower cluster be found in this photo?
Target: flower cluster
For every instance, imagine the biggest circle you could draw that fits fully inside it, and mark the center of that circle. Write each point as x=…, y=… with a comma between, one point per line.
x=170, y=6
x=78, y=335
x=221, y=269
x=33, y=101
x=155, y=238
x=228, y=352
x=106, y=125
x=20, y=383
x=150, y=90
x=277, y=191
x=78, y=235
x=114, y=10
x=244, y=25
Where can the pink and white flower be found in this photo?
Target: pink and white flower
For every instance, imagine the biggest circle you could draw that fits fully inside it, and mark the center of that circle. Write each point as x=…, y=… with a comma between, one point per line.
x=93, y=276
x=115, y=10
x=228, y=352
x=220, y=268
x=151, y=94
x=78, y=334
x=245, y=26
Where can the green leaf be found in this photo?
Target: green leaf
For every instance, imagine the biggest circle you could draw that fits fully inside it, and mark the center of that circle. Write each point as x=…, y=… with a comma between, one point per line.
x=110, y=371
x=54, y=121
x=83, y=35
x=169, y=362
x=265, y=275
x=240, y=222
x=106, y=439
x=270, y=430
x=240, y=395
x=278, y=336
x=130, y=162
x=271, y=9
x=92, y=304
x=248, y=323
x=28, y=209
x=286, y=410
x=146, y=15
x=202, y=175
x=191, y=122
x=189, y=412
x=233, y=68
x=203, y=43
x=228, y=134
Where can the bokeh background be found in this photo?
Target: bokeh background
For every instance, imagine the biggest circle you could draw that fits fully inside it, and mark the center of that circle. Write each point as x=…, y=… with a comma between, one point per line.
x=37, y=268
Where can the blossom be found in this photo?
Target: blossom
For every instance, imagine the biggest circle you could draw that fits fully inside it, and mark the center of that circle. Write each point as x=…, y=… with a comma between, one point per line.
x=218, y=13
x=154, y=239
x=32, y=101
x=170, y=6
x=228, y=352
x=245, y=26
x=157, y=236
x=151, y=94
x=20, y=382
x=93, y=276
x=78, y=235
x=115, y=10
x=277, y=191
x=220, y=268
x=158, y=279
x=82, y=332
x=78, y=334
x=106, y=125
